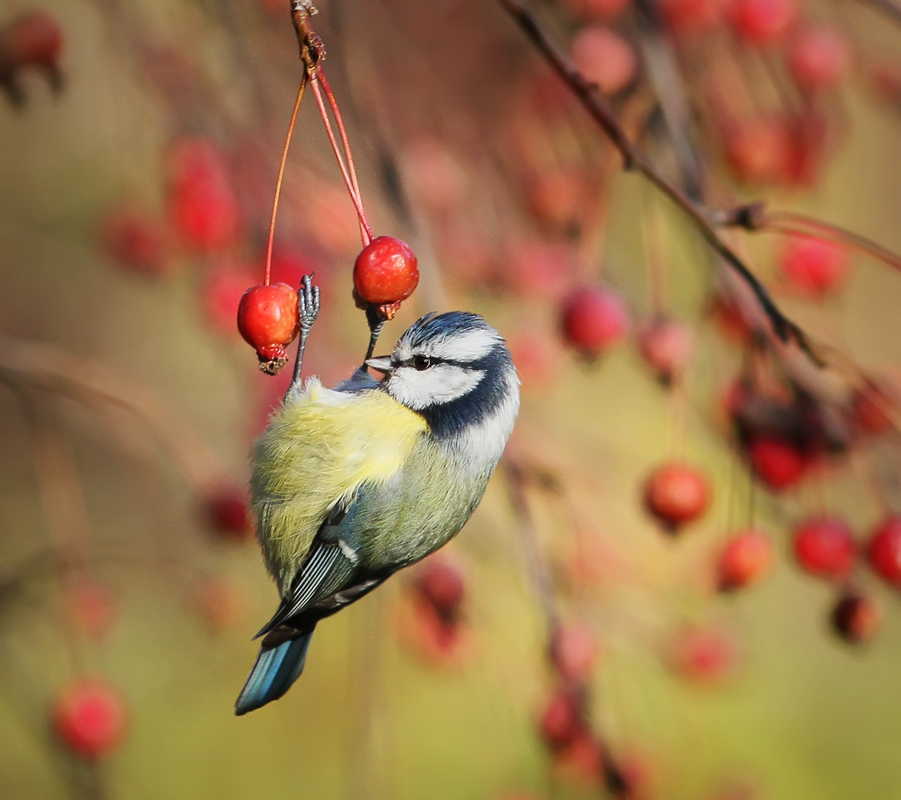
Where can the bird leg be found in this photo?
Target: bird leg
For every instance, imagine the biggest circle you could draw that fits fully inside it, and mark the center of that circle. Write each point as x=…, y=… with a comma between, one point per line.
x=376, y=321
x=308, y=305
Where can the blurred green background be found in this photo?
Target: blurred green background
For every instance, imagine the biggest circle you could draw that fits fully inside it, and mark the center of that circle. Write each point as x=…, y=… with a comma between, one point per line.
x=121, y=477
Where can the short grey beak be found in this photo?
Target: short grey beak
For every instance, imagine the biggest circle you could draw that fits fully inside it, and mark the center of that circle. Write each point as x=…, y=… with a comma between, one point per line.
x=380, y=364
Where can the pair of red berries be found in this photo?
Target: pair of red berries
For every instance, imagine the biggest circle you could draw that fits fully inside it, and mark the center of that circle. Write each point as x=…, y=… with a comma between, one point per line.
x=386, y=272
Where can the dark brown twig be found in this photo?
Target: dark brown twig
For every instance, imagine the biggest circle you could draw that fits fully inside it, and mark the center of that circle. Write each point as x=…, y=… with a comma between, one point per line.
x=756, y=218
x=635, y=159
x=887, y=7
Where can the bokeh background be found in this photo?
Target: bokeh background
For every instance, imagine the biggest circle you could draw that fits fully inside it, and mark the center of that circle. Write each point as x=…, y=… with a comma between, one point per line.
x=134, y=204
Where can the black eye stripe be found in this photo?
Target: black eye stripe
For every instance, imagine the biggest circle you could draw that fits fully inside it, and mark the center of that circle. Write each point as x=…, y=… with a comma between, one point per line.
x=481, y=364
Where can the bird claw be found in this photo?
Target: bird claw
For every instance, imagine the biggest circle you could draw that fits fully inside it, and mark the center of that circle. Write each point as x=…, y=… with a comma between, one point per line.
x=308, y=303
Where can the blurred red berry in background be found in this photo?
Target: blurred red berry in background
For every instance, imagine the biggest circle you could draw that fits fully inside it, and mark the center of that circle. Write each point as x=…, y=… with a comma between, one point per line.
x=89, y=718
x=594, y=320
x=676, y=494
x=825, y=547
x=745, y=559
x=812, y=266
x=884, y=550
x=856, y=618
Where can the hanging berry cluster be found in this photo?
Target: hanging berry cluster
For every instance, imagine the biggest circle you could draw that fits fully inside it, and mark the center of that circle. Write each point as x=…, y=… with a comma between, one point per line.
x=386, y=271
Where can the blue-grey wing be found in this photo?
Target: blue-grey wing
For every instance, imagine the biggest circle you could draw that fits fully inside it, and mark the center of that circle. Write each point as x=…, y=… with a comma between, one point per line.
x=334, y=573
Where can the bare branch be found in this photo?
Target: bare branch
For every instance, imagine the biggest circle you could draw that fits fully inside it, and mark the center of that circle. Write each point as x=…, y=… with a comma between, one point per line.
x=635, y=159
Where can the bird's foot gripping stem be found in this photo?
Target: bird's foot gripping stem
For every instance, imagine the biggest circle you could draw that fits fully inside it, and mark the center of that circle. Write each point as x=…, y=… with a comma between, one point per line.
x=376, y=319
x=308, y=306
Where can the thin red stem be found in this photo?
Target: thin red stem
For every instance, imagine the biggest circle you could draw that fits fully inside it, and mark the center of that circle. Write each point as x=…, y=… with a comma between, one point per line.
x=791, y=224
x=354, y=196
x=345, y=142
x=281, y=176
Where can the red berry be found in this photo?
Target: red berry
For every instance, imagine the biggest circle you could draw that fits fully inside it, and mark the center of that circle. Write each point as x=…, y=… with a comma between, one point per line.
x=813, y=266
x=884, y=550
x=819, y=57
x=665, y=346
x=594, y=319
x=604, y=58
x=202, y=202
x=676, y=494
x=535, y=355
x=537, y=269
x=440, y=583
x=136, y=241
x=268, y=321
x=856, y=617
x=386, y=271
x=220, y=602
x=227, y=512
x=825, y=547
x=762, y=21
x=778, y=462
x=89, y=718
x=574, y=651
x=703, y=655
x=745, y=559
x=556, y=198
x=90, y=607
x=34, y=38
x=759, y=151
x=561, y=721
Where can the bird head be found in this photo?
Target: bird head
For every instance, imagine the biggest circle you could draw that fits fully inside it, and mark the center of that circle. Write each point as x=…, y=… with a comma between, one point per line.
x=455, y=370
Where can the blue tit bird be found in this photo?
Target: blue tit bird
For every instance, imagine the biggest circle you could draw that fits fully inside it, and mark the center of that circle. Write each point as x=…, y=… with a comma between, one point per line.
x=351, y=484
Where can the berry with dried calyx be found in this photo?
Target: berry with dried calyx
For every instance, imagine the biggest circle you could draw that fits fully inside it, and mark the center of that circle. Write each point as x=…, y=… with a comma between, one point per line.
x=268, y=321
x=745, y=559
x=856, y=618
x=89, y=718
x=884, y=550
x=825, y=547
x=676, y=494
x=386, y=272
x=594, y=319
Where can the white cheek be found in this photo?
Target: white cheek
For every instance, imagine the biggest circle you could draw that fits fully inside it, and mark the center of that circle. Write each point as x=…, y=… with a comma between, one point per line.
x=439, y=384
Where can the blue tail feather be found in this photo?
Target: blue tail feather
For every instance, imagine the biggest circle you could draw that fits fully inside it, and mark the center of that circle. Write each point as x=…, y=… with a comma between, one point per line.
x=276, y=668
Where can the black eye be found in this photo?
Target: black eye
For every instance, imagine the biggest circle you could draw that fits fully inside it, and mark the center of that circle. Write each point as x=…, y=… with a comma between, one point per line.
x=421, y=362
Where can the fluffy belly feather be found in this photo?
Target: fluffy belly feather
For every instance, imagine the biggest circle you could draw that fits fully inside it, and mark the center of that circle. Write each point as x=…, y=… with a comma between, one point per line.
x=317, y=451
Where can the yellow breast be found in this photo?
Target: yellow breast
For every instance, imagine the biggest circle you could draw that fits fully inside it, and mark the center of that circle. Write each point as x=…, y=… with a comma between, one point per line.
x=317, y=450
